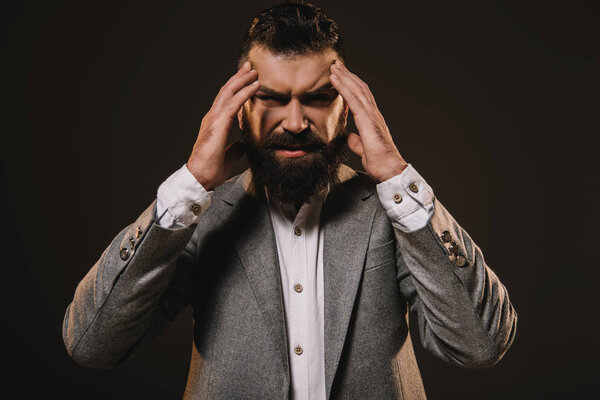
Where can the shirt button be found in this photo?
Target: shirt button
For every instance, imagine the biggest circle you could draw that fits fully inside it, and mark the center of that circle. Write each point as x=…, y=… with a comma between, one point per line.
x=298, y=350
x=138, y=232
x=298, y=231
x=446, y=237
x=413, y=187
x=398, y=198
x=298, y=288
x=195, y=209
x=124, y=253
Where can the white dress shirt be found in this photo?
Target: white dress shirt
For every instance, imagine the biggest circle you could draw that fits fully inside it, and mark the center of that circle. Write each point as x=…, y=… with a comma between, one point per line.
x=181, y=201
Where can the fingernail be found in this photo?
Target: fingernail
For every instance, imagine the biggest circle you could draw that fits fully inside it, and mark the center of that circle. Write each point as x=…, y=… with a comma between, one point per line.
x=247, y=65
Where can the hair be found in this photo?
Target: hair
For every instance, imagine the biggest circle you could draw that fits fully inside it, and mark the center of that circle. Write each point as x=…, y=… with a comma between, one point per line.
x=292, y=28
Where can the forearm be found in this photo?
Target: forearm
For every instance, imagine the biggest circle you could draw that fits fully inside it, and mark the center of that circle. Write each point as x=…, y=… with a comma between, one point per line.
x=464, y=312
x=114, y=304
x=463, y=309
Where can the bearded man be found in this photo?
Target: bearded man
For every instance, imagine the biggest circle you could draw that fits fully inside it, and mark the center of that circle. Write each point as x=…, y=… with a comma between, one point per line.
x=300, y=271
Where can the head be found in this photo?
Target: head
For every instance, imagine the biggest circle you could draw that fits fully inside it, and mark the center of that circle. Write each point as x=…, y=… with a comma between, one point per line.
x=294, y=127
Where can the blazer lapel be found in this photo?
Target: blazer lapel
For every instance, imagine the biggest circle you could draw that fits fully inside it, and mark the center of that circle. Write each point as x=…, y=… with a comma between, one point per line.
x=347, y=217
x=257, y=250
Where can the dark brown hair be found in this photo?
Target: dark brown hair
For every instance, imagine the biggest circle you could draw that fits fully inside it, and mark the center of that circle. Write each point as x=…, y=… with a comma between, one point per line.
x=292, y=28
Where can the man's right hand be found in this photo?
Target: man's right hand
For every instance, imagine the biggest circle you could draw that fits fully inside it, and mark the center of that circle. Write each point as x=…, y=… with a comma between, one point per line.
x=211, y=161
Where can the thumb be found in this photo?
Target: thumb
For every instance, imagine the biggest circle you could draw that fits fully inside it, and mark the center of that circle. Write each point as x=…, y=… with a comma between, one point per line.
x=355, y=144
x=233, y=153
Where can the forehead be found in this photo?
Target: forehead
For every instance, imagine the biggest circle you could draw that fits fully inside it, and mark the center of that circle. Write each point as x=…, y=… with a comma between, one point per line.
x=294, y=74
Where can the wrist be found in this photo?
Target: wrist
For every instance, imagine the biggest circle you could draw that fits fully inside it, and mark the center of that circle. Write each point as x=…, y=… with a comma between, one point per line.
x=394, y=169
x=207, y=184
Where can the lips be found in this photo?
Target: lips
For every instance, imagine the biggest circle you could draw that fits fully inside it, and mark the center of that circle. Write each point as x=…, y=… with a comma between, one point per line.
x=292, y=153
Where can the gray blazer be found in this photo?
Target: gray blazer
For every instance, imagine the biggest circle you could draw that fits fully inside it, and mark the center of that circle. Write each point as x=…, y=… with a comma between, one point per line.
x=227, y=268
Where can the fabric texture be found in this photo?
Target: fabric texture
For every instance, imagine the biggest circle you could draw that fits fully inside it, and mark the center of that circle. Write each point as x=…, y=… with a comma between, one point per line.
x=300, y=256
x=227, y=268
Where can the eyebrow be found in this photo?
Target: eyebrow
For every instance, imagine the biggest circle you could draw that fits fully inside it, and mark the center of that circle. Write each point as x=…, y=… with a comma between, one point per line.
x=274, y=92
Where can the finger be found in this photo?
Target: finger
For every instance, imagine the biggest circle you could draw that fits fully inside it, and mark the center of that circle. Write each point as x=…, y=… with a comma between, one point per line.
x=234, y=85
x=364, y=88
x=240, y=82
x=237, y=101
x=350, y=91
x=355, y=144
x=246, y=67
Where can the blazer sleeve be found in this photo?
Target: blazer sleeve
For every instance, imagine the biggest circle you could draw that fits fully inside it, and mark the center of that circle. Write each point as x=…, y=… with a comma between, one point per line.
x=139, y=284
x=463, y=310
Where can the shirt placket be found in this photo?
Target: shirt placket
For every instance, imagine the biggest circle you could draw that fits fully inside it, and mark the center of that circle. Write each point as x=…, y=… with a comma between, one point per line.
x=298, y=303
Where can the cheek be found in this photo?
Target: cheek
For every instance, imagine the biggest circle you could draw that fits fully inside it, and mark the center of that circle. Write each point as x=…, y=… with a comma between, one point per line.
x=261, y=121
x=329, y=117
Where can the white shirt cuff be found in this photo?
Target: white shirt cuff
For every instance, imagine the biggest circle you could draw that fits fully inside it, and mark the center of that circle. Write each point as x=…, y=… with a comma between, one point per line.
x=181, y=200
x=407, y=199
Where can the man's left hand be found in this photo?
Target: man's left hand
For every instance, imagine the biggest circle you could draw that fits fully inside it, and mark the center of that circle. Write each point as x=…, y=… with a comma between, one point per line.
x=375, y=146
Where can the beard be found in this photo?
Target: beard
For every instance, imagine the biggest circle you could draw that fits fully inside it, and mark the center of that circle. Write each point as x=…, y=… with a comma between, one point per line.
x=296, y=180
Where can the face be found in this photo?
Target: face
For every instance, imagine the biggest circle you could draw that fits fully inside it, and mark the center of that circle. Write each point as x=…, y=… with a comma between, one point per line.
x=295, y=95
x=294, y=126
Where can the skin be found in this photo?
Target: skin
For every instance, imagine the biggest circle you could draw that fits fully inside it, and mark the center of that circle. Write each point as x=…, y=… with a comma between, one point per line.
x=292, y=93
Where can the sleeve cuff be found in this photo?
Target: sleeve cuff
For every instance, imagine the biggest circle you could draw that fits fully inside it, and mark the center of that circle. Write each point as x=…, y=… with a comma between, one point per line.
x=407, y=199
x=181, y=200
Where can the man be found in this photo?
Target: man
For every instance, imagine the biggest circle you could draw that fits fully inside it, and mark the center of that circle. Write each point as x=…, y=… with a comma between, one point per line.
x=300, y=271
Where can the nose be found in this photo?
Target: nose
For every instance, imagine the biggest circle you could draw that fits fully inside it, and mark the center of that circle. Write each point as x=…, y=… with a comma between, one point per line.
x=295, y=120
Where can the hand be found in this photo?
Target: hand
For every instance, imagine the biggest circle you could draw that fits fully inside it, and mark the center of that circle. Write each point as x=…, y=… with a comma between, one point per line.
x=211, y=162
x=379, y=155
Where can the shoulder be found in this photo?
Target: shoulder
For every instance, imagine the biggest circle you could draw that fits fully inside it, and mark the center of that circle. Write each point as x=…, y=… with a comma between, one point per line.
x=349, y=180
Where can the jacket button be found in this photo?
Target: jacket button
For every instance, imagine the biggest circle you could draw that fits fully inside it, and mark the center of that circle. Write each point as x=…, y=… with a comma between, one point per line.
x=446, y=237
x=138, y=232
x=398, y=198
x=298, y=288
x=461, y=261
x=124, y=253
x=413, y=187
x=195, y=209
x=297, y=231
x=298, y=350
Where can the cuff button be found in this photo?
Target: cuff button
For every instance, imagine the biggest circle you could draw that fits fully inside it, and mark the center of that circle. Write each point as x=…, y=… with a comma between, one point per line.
x=453, y=249
x=138, y=232
x=124, y=253
x=413, y=187
x=446, y=237
x=398, y=198
x=195, y=209
x=461, y=261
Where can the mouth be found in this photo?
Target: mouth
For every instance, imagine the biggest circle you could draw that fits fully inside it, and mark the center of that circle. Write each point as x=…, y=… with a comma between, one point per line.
x=294, y=151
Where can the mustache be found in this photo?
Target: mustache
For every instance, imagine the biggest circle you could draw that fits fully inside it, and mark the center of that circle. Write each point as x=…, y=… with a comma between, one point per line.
x=305, y=139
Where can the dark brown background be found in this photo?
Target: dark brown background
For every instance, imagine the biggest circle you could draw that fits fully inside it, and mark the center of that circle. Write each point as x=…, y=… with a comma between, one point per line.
x=494, y=102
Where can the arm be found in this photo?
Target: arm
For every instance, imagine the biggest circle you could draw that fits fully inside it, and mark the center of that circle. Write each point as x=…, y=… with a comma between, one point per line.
x=464, y=313
x=129, y=295
x=463, y=310
x=145, y=276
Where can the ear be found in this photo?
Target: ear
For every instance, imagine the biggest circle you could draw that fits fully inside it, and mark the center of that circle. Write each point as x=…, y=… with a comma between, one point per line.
x=346, y=108
x=239, y=116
